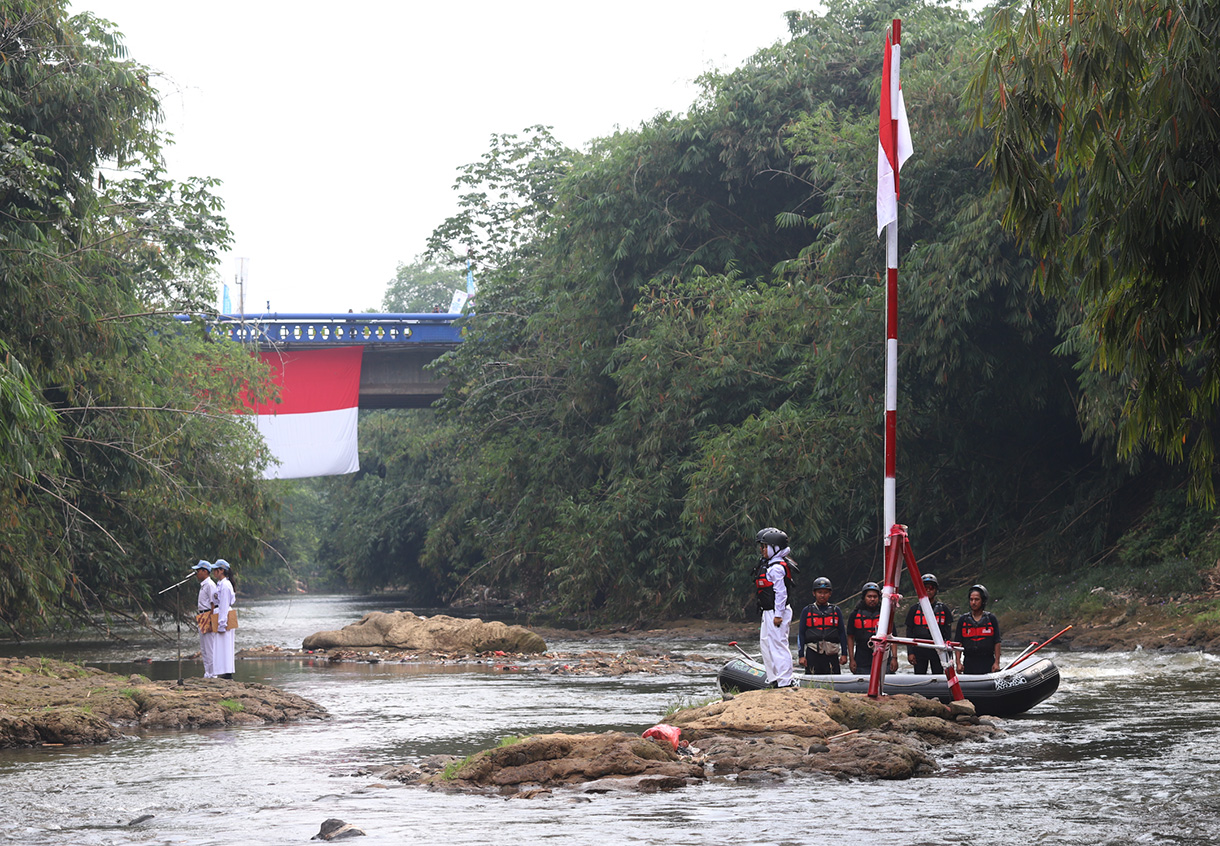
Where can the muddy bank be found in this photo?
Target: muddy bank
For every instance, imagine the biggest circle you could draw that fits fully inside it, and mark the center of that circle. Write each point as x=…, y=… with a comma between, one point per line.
x=45, y=702
x=756, y=736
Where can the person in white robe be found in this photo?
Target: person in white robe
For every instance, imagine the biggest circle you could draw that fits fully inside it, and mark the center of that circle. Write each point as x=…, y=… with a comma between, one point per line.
x=226, y=636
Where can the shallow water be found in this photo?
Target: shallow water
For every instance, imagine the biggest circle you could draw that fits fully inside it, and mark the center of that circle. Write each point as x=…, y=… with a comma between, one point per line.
x=1125, y=752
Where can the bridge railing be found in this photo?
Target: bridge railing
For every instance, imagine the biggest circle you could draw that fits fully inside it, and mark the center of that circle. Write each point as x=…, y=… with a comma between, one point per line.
x=336, y=329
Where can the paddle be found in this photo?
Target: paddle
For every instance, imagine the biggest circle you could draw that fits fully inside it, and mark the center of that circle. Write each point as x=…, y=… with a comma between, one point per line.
x=747, y=655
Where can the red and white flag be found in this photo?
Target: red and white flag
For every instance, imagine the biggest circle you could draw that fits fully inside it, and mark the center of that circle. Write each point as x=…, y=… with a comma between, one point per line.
x=894, y=146
x=312, y=430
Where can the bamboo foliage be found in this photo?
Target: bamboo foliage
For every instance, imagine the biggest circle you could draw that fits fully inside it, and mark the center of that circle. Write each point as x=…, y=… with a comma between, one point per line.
x=122, y=461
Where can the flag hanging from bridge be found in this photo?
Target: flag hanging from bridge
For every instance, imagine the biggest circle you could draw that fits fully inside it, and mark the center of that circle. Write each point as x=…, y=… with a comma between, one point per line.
x=312, y=430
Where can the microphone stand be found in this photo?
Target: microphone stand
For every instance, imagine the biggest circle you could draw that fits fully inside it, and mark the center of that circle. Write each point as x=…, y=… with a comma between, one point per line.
x=178, y=618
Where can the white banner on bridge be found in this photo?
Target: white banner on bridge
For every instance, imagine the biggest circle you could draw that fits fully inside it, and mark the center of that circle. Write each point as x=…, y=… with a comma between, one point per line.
x=312, y=430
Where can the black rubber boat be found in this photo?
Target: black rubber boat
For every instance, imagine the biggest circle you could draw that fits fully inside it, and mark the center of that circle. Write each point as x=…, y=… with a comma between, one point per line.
x=1000, y=694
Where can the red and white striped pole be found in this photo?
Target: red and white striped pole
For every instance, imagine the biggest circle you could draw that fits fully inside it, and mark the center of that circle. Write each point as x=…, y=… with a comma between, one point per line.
x=889, y=160
x=889, y=96
x=948, y=660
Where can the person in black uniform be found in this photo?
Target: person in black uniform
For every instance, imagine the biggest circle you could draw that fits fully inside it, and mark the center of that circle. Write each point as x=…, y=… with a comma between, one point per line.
x=923, y=656
x=862, y=625
x=978, y=631
x=821, y=635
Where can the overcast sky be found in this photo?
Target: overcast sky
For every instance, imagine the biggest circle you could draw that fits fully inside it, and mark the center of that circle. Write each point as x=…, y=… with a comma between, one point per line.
x=338, y=138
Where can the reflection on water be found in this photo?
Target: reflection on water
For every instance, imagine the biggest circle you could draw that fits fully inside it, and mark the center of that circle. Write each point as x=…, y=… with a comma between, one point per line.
x=1124, y=753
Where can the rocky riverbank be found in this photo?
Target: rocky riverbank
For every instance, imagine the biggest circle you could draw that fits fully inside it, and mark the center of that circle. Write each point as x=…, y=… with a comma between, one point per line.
x=448, y=640
x=52, y=703
x=755, y=736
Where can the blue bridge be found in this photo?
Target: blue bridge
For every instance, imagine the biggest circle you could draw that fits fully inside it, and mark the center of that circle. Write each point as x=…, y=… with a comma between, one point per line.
x=397, y=347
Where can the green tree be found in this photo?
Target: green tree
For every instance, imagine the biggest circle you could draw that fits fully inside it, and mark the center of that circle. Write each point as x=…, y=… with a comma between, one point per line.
x=1105, y=122
x=423, y=286
x=126, y=462
x=679, y=339
x=663, y=389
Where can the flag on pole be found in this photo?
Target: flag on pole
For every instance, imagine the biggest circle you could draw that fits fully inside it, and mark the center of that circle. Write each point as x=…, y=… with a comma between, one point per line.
x=312, y=430
x=894, y=145
x=226, y=306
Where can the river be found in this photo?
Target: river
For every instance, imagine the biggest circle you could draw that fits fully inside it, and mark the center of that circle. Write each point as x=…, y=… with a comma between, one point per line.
x=1126, y=752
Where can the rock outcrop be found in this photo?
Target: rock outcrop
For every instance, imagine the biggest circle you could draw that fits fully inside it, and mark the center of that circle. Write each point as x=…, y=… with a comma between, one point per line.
x=756, y=736
x=407, y=631
x=558, y=759
x=46, y=702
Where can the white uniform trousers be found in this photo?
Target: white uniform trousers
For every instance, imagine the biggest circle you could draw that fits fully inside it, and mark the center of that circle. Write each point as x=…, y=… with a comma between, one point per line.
x=207, y=654
x=773, y=642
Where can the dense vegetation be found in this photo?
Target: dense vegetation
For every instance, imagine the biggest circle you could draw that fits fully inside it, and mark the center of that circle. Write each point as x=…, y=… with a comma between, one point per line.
x=119, y=461
x=678, y=332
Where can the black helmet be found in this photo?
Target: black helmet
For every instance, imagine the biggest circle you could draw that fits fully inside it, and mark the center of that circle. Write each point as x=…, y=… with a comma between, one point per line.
x=772, y=537
x=929, y=579
x=821, y=583
x=982, y=589
x=870, y=586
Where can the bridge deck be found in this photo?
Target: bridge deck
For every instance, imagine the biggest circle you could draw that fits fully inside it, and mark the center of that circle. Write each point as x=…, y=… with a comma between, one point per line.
x=397, y=347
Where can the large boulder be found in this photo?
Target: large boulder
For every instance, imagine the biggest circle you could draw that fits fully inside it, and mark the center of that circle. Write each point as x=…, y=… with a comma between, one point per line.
x=801, y=712
x=406, y=631
x=555, y=759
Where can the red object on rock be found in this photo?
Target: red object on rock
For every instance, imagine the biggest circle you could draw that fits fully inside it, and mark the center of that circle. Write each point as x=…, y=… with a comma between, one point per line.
x=666, y=733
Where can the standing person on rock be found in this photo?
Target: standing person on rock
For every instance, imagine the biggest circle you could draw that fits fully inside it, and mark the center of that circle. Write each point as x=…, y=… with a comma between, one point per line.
x=978, y=631
x=925, y=657
x=773, y=586
x=862, y=625
x=821, y=636
x=226, y=633
x=203, y=618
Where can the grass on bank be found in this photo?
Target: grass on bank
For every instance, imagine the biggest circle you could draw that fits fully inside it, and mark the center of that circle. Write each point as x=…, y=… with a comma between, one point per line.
x=451, y=770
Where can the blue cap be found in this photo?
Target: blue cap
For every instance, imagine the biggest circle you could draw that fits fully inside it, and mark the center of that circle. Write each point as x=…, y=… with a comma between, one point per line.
x=223, y=565
x=202, y=565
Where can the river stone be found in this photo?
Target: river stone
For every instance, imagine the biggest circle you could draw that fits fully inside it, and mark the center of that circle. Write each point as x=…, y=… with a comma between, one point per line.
x=407, y=631
x=875, y=755
x=804, y=712
x=334, y=829
x=555, y=759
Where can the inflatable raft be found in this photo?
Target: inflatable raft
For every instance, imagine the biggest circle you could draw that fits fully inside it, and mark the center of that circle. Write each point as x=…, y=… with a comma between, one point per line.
x=1012, y=691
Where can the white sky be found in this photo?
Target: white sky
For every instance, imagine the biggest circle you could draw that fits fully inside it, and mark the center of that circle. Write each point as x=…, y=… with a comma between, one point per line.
x=338, y=130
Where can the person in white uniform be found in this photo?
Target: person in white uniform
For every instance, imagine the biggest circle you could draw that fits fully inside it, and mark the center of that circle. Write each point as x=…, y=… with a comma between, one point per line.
x=773, y=583
x=203, y=618
x=226, y=637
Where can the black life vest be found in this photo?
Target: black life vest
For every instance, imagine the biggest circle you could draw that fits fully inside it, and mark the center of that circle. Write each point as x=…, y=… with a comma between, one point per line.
x=977, y=635
x=822, y=624
x=763, y=586
x=864, y=622
x=921, y=626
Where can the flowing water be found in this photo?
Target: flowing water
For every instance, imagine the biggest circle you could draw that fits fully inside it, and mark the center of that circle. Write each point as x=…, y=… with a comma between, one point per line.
x=1127, y=752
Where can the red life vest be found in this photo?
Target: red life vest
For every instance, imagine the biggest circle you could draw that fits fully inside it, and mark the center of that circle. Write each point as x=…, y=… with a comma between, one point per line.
x=982, y=630
x=825, y=624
